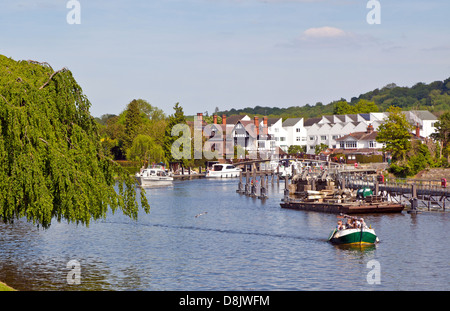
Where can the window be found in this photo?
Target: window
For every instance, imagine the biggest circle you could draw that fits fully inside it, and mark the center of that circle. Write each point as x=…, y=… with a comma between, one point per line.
x=335, y=136
x=282, y=138
x=303, y=138
x=323, y=137
x=312, y=137
x=342, y=145
x=351, y=144
x=372, y=144
x=276, y=130
x=298, y=139
x=298, y=130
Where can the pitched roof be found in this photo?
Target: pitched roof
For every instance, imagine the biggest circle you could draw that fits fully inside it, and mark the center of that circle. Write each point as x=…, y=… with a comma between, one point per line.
x=235, y=118
x=291, y=121
x=424, y=114
x=311, y=121
x=272, y=121
x=360, y=136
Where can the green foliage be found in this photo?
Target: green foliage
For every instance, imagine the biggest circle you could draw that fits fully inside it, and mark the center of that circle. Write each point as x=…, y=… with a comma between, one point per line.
x=434, y=97
x=132, y=122
x=293, y=149
x=395, y=134
x=176, y=123
x=144, y=148
x=362, y=106
x=319, y=148
x=419, y=158
x=139, y=118
x=52, y=164
x=442, y=129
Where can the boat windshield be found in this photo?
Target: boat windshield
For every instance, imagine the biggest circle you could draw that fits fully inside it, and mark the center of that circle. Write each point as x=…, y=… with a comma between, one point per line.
x=217, y=168
x=230, y=167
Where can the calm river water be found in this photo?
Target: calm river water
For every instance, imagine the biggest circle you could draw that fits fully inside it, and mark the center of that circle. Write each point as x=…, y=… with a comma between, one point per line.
x=238, y=243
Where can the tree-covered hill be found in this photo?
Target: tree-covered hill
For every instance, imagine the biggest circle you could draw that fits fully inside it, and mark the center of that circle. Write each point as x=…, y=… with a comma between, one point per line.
x=52, y=165
x=434, y=97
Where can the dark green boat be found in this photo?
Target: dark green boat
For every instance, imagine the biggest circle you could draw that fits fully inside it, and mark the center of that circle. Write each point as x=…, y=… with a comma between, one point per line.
x=354, y=236
x=355, y=232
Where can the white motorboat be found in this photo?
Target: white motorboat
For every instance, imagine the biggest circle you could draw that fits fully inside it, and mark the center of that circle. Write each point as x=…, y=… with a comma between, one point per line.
x=286, y=166
x=153, y=176
x=223, y=170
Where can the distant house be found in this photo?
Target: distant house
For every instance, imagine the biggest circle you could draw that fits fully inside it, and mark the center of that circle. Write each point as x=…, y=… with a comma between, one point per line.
x=346, y=133
x=277, y=133
x=423, y=120
x=295, y=132
x=361, y=141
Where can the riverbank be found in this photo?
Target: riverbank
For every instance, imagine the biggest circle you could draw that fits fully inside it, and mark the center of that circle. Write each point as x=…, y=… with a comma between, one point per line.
x=5, y=288
x=434, y=174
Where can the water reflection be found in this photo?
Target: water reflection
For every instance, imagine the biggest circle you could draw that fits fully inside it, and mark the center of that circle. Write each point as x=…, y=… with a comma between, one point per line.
x=241, y=243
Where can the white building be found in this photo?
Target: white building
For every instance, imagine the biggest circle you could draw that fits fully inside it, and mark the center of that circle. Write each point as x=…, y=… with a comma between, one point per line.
x=277, y=132
x=268, y=134
x=423, y=119
x=295, y=132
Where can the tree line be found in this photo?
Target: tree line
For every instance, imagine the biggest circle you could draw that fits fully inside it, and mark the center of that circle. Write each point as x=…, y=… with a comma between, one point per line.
x=434, y=97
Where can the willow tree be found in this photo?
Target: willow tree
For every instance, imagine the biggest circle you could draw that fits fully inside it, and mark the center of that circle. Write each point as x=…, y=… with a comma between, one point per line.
x=52, y=165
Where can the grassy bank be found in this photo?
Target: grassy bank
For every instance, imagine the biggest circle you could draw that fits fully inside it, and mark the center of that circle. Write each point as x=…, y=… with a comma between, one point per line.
x=5, y=288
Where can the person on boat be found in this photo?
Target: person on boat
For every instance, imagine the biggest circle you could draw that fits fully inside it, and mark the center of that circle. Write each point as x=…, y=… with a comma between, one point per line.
x=349, y=224
x=340, y=226
x=363, y=223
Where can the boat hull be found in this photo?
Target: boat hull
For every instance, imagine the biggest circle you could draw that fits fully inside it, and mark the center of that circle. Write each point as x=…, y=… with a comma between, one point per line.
x=337, y=208
x=354, y=236
x=223, y=174
x=148, y=181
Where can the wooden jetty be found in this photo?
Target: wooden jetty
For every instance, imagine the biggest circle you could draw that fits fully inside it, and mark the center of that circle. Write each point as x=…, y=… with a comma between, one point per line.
x=189, y=176
x=318, y=193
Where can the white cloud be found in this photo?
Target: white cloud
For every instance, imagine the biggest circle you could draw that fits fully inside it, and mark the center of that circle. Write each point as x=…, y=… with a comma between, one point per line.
x=325, y=32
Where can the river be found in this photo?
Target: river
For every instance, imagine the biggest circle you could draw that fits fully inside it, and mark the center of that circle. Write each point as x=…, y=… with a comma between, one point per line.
x=234, y=243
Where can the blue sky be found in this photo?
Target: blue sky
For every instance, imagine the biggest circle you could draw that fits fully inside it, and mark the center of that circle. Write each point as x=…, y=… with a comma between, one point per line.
x=231, y=53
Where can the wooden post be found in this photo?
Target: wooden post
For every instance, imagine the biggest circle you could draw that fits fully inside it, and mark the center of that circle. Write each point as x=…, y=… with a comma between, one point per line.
x=286, y=188
x=240, y=185
x=413, y=200
x=278, y=175
x=247, y=182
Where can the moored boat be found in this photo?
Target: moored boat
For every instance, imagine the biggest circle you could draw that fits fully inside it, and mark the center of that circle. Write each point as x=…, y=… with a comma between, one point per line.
x=155, y=175
x=223, y=170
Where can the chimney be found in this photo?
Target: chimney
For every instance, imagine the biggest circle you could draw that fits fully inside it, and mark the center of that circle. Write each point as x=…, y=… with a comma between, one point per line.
x=256, y=119
x=265, y=128
x=224, y=119
x=215, y=118
x=200, y=117
x=369, y=129
x=417, y=130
